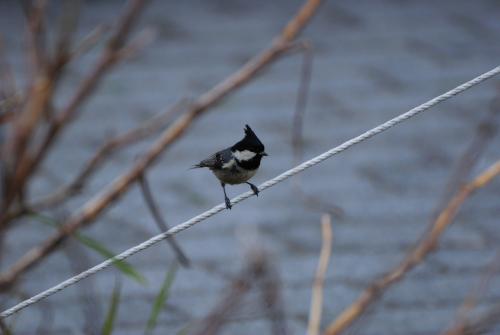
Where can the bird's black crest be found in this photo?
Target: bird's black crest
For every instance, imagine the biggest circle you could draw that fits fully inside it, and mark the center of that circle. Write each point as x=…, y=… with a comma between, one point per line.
x=249, y=142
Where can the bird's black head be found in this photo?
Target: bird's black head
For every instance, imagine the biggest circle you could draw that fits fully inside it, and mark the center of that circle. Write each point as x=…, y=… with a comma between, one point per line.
x=250, y=142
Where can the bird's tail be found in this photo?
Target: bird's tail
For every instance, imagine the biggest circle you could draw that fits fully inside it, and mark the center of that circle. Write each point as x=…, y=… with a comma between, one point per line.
x=197, y=166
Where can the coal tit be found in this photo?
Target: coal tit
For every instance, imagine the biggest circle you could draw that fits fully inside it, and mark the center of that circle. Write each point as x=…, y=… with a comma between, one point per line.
x=236, y=164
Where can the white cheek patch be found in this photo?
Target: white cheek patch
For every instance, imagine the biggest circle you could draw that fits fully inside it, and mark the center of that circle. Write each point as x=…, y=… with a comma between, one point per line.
x=244, y=155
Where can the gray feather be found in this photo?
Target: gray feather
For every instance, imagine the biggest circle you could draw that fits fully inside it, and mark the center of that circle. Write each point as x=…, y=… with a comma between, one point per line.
x=216, y=160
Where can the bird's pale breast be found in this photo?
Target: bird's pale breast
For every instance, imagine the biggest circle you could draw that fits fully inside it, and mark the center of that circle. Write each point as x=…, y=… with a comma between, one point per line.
x=234, y=176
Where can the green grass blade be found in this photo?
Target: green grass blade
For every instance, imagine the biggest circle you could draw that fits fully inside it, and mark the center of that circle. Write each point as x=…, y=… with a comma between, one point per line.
x=161, y=298
x=109, y=323
x=184, y=330
x=123, y=266
x=98, y=247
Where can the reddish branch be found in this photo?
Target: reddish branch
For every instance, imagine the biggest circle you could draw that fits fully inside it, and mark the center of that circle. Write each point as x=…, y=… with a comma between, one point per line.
x=93, y=208
x=25, y=161
x=148, y=128
x=427, y=245
x=90, y=84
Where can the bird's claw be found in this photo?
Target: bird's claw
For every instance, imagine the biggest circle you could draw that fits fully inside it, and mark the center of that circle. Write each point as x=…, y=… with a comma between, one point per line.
x=254, y=189
x=228, y=203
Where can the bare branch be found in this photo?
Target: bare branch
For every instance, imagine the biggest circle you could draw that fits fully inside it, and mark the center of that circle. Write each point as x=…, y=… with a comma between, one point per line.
x=479, y=325
x=25, y=162
x=297, y=138
x=271, y=298
x=301, y=103
x=3, y=327
x=34, y=12
x=107, y=150
x=313, y=327
x=240, y=286
x=7, y=81
x=93, y=208
x=472, y=299
x=416, y=256
x=485, y=132
x=67, y=27
x=90, y=40
x=160, y=222
x=144, y=38
x=108, y=58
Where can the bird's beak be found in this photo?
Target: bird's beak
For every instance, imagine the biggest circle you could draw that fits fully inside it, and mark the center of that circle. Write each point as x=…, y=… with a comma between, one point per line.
x=264, y=154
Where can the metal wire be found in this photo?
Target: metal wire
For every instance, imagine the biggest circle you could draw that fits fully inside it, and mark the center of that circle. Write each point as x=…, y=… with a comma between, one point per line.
x=285, y=175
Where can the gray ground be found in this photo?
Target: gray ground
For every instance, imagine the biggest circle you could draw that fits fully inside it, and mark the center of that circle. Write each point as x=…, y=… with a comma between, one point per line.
x=373, y=60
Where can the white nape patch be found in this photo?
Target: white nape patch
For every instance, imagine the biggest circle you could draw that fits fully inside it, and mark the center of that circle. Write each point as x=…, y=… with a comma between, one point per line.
x=229, y=164
x=244, y=155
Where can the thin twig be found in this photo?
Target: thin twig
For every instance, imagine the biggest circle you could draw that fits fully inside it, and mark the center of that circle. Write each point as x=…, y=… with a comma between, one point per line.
x=7, y=81
x=474, y=296
x=93, y=208
x=143, y=39
x=91, y=308
x=68, y=23
x=301, y=103
x=297, y=127
x=89, y=40
x=160, y=222
x=3, y=327
x=46, y=76
x=485, y=132
x=254, y=270
x=34, y=12
x=416, y=256
x=271, y=298
x=107, y=59
x=24, y=162
x=479, y=325
x=40, y=93
x=107, y=150
x=313, y=327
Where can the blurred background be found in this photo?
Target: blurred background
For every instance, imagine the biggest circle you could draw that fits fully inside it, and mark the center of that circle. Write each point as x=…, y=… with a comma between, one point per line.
x=371, y=60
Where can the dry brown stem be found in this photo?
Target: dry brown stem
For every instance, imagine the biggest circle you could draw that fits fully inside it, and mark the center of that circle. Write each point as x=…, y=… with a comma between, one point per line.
x=24, y=160
x=144, y=130
x=297, y=127
x=254, y=270
x=89, y=41
x=108, y=58
x=479, y=325
x=8, y=96
x=313, y=327
x=94, y=207
x=34, y=12
x=301, y=103
x=485, y=132
x=272, y=302
x=462, y=321
x=415, y=257
x=39, y=96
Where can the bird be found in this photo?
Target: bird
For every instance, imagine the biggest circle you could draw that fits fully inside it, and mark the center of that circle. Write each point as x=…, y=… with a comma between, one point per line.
x=236, y=164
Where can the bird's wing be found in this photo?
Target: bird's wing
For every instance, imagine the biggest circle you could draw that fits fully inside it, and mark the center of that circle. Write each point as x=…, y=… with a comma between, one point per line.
x=216, y=160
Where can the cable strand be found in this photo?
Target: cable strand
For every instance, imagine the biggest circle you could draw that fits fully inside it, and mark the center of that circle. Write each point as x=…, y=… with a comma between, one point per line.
x=270, y=183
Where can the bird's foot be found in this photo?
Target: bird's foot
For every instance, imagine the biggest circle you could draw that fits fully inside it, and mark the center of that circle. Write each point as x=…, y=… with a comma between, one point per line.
x=228, y=203
x=254, y=188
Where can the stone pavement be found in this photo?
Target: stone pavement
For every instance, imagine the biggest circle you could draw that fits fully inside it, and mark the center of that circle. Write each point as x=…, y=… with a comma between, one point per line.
x=374, y=59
